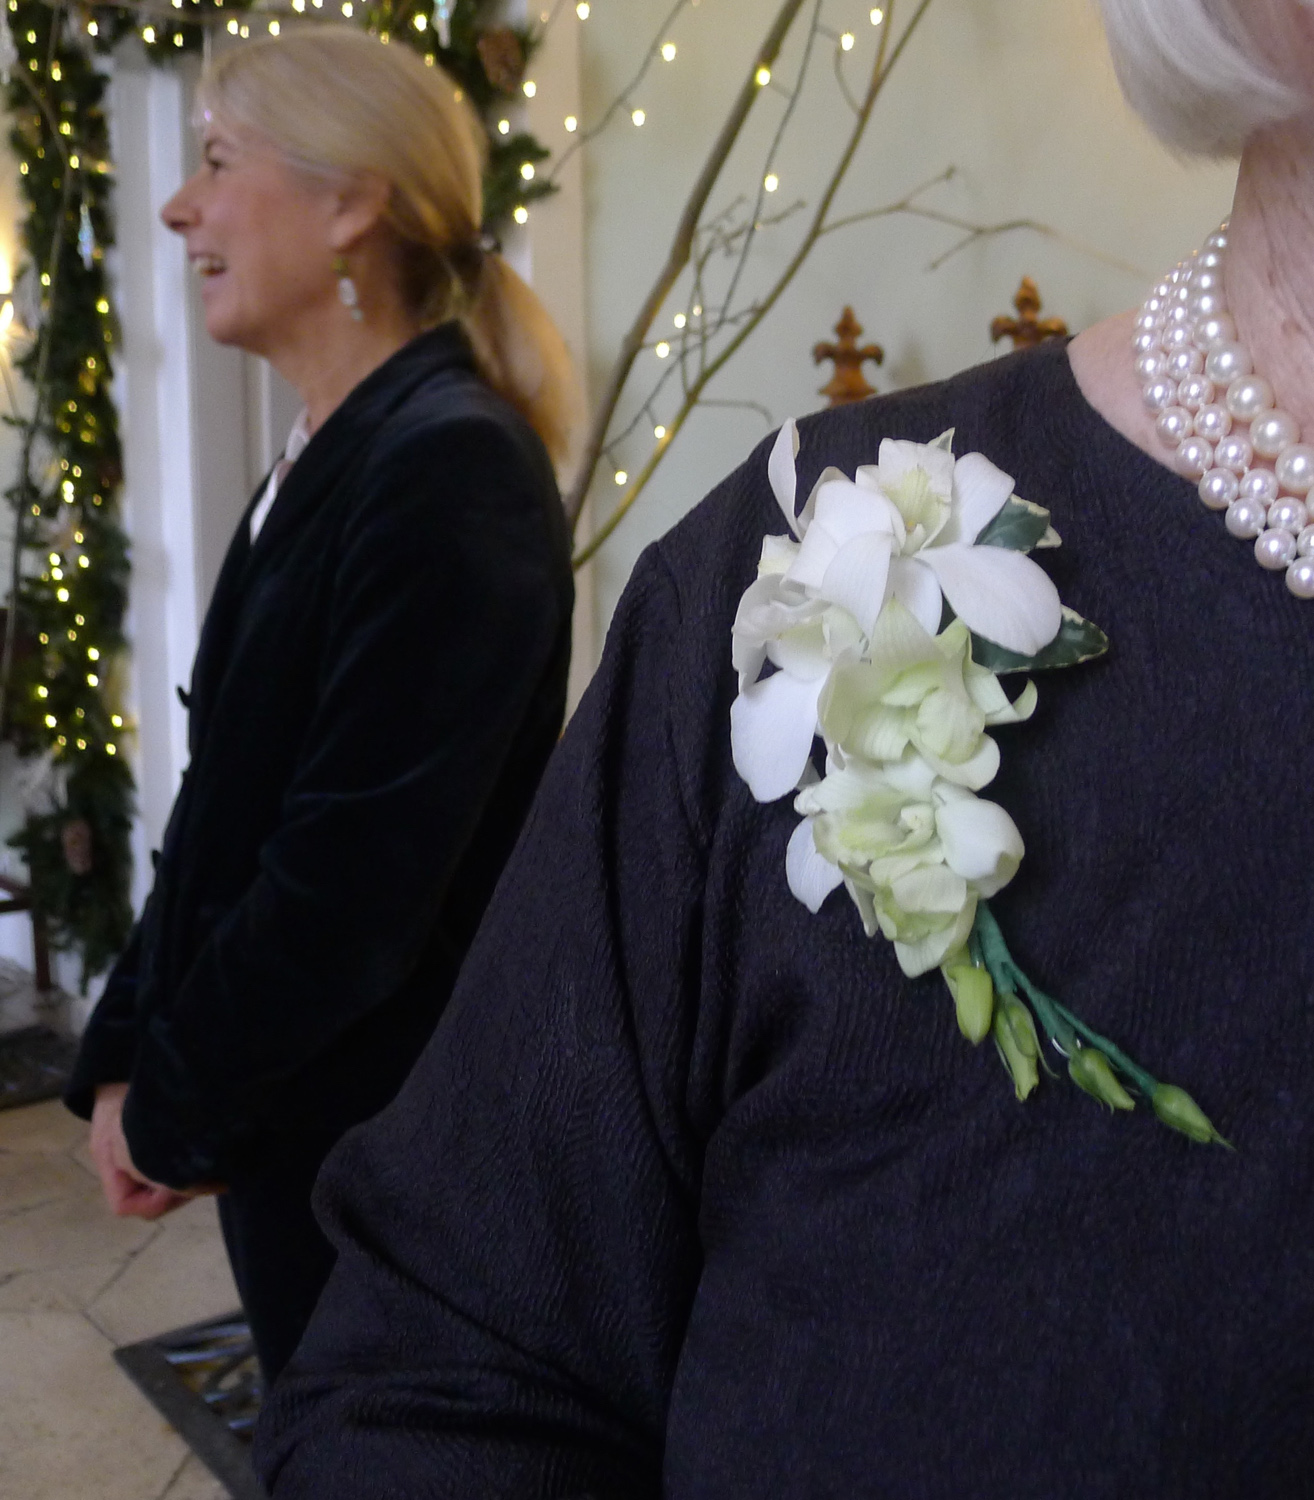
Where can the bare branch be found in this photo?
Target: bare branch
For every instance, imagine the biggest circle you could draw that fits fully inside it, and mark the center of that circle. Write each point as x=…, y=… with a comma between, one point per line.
x=880, y=73
x=678, y=256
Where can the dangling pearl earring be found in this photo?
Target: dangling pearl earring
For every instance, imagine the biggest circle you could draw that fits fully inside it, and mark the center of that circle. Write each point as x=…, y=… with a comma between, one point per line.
x=347, y=293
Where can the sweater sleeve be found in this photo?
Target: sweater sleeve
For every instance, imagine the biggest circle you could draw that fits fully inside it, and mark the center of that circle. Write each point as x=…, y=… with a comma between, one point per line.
x=107, y=1052
x=451, y=602
x=517, y=1233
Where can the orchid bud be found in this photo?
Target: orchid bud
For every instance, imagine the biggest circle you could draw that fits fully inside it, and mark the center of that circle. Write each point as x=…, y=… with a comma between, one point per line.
x=1176, y=1108
x=974, y=1000
x=1015, y=1037
x=1089, y=1069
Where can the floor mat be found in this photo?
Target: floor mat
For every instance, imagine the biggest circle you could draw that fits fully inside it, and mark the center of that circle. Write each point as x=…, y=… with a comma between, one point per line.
x=205, y=1380
x=35, y=1064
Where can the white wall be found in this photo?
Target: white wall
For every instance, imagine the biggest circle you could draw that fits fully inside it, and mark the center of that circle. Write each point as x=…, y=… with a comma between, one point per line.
x=1017, y=94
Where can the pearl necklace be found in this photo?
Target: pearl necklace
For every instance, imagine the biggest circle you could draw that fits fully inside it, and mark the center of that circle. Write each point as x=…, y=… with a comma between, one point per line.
x=1198, y=381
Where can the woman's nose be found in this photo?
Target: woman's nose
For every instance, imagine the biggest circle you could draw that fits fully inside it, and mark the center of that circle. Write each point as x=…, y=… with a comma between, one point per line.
x=180, y=212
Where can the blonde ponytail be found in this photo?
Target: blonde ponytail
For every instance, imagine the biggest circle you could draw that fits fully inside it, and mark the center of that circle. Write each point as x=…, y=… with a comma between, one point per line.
x=337, y=102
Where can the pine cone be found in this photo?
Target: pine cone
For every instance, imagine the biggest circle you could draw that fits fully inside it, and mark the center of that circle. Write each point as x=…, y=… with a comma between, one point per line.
x=503, y=58
x=75, y=836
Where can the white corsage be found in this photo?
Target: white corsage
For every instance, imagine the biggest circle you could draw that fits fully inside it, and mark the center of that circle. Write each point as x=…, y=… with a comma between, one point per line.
x=882, y=623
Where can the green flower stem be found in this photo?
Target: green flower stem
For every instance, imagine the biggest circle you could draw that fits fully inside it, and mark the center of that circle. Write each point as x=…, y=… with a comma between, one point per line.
x=1065, y=1029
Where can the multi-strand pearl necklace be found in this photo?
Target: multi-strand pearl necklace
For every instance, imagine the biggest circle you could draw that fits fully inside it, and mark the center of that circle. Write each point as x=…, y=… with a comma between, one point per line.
x=1220, y=420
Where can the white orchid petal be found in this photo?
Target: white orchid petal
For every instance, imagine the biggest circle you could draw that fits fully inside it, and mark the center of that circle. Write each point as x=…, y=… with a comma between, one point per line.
x=782, y=474
x=978, y=771
x=916, y=587
x=814, y=557
x=897, y=458
x=855, y=578
x=980, y=492
x=772, y=726
x=811, y=877
x=829, y=473
x=981, y=842
x=801, y=652
x=1000, y=595
x=936, y=889
x=927, y=954
x=777, y=554
x=847, y=510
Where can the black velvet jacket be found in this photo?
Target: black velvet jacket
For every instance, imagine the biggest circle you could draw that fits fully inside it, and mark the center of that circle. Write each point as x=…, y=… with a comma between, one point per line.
x=380, y=679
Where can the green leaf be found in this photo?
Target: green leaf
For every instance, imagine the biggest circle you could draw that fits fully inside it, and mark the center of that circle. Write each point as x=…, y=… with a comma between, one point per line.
x=1077, y=641
x=1019, y=527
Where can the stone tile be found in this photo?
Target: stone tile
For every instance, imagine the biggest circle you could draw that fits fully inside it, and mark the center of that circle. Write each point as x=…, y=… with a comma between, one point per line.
x=74, y=1231
x=81, y=1153
x=40, y=1127
x=71, y=1289
x=194, y=1482
x=30, y=1178
x=181, y=1277
x=72, y=1426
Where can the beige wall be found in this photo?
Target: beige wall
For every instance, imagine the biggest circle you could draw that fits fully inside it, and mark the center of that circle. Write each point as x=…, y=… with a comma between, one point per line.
x=1017, y=94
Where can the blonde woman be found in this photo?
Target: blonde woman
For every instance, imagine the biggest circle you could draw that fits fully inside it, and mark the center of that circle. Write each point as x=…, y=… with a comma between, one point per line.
x=381, y=674
x=697, y=1193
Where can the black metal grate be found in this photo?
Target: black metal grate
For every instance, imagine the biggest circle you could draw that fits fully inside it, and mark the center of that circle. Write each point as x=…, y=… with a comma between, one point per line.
x=205, y=1380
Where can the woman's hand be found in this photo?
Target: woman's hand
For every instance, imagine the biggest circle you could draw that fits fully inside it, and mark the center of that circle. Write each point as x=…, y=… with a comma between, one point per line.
x=128, y=1193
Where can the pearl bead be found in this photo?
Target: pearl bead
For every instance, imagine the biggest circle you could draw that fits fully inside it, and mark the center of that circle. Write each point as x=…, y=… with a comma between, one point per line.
x=1235, y=454
x=1305, y=542
x=1226, y=362
x=1160, y=394
x=1180, y=316
x=1247, y=397
x=1210, y=332
x=1206, y=304
x=1273, y=432
x=1213, y=423
x=1145, y=342
x=1288, y=514
x=1150, y=366
x=1194, y=392
x=1245, y=518
x=1174, y=425
x=1261, y=486
x=1179, y=336
x=1275, y=549
x=1295, y=468
x=1217, y=241
x=1182, y=362
x=1206, y=278
x=1194, y=458
x=1165, y=289
x=1210, y=260
x=1218, y=489
x=1300, y=578
x=1153, y=304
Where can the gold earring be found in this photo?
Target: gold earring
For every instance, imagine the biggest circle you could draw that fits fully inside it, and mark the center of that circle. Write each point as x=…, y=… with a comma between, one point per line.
x=347, y=293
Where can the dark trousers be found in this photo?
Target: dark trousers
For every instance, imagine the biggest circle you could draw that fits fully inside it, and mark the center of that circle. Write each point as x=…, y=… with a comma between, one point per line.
x=279, y=1255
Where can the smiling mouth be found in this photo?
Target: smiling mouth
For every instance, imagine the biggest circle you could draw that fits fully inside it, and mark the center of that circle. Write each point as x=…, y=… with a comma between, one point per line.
x=208, y=265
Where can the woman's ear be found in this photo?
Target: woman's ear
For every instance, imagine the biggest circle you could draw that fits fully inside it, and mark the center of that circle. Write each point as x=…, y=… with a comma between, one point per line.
x=362, y=202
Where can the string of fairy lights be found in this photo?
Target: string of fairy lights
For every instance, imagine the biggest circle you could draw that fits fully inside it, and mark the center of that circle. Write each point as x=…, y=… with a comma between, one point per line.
x=63, y=664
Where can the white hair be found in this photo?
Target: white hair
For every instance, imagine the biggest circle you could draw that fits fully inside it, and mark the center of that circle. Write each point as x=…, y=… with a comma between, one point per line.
x=1194, y=74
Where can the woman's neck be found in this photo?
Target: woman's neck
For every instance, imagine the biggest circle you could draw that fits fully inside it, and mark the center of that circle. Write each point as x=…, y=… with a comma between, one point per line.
x=329, y=360
x=1269, y=272
x=1269, y=275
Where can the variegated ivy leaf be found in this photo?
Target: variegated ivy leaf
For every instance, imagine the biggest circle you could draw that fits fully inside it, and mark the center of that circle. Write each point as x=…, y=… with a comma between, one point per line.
x=1020, y=527
x=1078, y=640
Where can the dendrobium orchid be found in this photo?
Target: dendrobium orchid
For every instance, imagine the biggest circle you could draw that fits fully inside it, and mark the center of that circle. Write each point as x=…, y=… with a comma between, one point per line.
x=882, y=623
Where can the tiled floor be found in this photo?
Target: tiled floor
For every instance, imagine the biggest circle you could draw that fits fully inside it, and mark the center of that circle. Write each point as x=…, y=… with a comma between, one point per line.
x=75, y=1282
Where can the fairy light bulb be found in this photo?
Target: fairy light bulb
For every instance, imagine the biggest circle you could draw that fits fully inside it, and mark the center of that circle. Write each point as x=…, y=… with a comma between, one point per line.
x=111, y=749
x=622, y=478
x=572, y=124
x=43, y=692
x=662, y=351
x=92, y=29
x=527, y=170
x=273, y=28
x=668, y=51
x=504, y=127
x=148, y=34
x=762, y=77
x=771, y=182
x=421, y=21
x=582, y=10
x=659, y=432
x=50, y=721
x=639, y=116
x=680, y=320
x=877, y=16
x=847, y=41
x=521, y=215
x=530, y=88
x=92, y=680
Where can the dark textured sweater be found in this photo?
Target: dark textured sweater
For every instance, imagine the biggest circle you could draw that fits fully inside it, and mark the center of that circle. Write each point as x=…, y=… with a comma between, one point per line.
x=694, y=1194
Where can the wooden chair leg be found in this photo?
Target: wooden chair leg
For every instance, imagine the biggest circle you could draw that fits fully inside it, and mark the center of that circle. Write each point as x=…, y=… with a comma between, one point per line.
x=41, y=953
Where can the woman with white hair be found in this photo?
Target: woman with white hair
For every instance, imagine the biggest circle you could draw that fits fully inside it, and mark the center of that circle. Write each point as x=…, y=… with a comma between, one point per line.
x=697, y=1190
x=382, y=671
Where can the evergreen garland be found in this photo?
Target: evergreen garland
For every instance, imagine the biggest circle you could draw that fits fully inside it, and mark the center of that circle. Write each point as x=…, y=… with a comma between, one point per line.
x=65, y=655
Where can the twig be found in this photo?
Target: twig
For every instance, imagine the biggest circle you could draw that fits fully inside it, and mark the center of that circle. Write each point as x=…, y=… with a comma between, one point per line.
x=880, y=73
x=678, y=256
